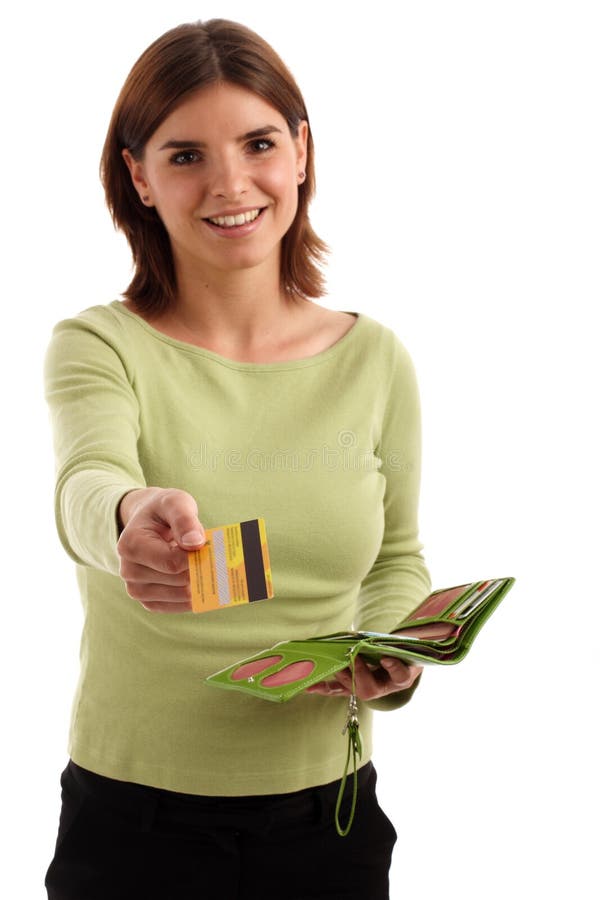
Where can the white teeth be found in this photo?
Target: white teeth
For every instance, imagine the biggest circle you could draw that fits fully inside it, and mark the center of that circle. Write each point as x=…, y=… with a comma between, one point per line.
x=240, y=219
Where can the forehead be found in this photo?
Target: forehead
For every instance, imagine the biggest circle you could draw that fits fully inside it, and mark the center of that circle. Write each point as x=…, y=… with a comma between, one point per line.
x=218, y=110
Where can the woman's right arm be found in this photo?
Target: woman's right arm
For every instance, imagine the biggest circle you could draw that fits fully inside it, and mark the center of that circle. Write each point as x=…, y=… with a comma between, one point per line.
x=107, y=518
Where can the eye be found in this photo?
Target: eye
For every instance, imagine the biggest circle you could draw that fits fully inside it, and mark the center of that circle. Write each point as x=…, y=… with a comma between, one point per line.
x=261, y=145
x=185, y=157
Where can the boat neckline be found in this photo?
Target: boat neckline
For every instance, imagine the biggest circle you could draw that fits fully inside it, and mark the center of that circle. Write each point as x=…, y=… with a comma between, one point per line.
x=315, y=359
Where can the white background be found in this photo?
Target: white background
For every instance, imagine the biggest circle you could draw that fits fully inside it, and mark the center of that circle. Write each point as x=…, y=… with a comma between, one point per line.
x=458, y=187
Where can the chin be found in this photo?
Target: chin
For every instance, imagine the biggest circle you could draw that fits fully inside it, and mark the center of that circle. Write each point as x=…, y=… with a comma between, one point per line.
x=240, y=261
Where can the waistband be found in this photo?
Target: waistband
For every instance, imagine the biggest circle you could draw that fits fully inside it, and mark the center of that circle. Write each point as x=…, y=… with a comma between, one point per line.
x=149, y=808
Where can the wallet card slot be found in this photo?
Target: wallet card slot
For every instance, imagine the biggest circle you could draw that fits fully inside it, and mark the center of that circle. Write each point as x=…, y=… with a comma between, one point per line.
x=439, y=603
x=484, y=591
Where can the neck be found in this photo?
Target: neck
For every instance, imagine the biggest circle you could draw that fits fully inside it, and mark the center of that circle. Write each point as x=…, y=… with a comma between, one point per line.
x=236, y=311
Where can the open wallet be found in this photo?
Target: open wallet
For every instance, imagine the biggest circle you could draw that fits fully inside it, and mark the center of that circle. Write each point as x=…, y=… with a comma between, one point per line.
x=289, y=667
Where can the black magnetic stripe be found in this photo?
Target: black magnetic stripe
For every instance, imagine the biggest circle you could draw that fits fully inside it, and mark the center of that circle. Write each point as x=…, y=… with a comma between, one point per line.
x=255, y=570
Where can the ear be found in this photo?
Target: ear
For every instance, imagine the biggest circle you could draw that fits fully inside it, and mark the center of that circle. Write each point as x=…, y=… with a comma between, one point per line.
x=138, y=177
x=301, y=141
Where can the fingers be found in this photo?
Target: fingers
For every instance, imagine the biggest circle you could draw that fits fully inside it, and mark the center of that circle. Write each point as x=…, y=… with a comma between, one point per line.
x=154, y=591
x=161, y=526
x=401, y=675
x=328, y=689
x=166, y=606
x=143, y=545
x=134, y=572
x=370, y=683
x=142, y=584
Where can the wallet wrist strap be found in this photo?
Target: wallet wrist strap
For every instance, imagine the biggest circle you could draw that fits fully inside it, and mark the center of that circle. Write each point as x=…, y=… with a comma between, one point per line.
x=354, y=748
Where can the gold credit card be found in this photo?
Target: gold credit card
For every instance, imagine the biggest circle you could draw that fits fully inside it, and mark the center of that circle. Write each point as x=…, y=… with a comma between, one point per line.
x=232, y=567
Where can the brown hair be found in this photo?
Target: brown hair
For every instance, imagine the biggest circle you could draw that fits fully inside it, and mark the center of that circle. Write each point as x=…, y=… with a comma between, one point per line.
x=178, y=63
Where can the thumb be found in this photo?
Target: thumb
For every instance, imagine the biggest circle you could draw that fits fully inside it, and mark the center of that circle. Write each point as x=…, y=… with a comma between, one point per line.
x=182, y=516
x=193, y=538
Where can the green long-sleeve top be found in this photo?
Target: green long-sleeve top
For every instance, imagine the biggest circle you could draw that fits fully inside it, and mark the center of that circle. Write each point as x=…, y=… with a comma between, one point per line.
x=326, y=449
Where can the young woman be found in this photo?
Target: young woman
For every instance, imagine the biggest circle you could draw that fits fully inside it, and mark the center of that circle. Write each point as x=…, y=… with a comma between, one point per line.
x=218, y=391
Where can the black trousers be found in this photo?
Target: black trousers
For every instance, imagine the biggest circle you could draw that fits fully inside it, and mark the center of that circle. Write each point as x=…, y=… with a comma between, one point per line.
x=120, y=840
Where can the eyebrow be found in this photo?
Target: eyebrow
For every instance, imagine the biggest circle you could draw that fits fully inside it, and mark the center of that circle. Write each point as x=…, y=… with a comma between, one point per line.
x=256, y=133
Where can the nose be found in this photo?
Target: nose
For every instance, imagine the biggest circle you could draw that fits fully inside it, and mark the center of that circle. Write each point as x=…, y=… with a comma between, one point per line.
x=230, y=179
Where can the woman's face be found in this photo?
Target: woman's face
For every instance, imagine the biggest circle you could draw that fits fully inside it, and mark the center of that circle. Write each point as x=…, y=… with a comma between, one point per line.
x=222, y=172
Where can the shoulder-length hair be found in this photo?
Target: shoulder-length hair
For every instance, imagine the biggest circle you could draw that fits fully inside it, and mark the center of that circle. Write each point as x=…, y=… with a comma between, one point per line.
x=178, y=63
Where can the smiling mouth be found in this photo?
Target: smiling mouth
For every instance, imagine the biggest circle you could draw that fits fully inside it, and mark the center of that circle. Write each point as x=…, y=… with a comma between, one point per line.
x=233, y=221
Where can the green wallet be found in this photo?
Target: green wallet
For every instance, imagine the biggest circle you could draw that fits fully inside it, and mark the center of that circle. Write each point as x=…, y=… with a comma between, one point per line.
x=289, y=667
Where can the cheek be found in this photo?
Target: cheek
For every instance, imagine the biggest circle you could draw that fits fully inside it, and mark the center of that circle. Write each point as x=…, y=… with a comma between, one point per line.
x=176, y=201
x=282, y=186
